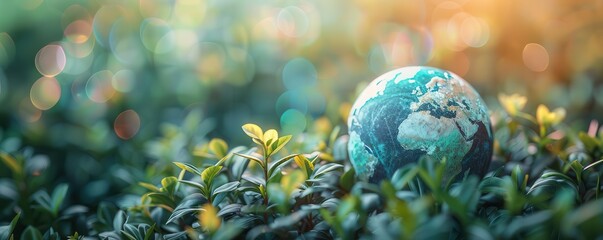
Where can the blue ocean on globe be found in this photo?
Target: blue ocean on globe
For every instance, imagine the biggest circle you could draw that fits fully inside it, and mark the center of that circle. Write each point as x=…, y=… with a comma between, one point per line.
x=412, y=112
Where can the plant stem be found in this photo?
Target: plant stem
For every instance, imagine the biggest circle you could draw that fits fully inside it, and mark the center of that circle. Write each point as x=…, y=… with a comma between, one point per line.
x=266, y=161
x=542, y=131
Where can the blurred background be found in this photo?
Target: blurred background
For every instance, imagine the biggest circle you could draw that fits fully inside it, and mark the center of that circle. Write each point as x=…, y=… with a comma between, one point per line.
x=91, y=83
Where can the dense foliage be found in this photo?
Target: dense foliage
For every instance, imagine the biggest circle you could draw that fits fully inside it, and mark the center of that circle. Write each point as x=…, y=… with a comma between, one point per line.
x=544, y=183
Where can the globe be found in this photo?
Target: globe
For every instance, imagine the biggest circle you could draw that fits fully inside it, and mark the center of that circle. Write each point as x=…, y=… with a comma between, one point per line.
x=416, y=112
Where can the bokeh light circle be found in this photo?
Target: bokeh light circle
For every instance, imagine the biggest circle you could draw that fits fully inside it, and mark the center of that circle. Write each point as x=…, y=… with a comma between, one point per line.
x=535, y=57
x=293, y=122
x=99, y=87
x=461, y=64
x=74, y=13
x=160, y=9
x=123, y=81
x=45, y=93
x=317, y=103
x=79, y=50
x=397, y=46
x=299, y=73
x=177, y=47
x=127, y=124
x=211, y=66
x=78, y=65
x=240, y=66
x=7, y=48
x=474, y=32
x=28, y=112
x=124, y=43
x=292, y=99
x=104, y=20
x=78, y=31
x=293, y=21
x=151, y=31
x=51, y=60
x=188, y=13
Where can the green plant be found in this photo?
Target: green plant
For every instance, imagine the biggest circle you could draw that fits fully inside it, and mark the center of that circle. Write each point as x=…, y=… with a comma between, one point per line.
x=543, y=184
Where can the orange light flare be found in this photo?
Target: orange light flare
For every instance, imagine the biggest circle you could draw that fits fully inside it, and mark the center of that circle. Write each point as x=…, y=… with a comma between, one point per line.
x=127, y=124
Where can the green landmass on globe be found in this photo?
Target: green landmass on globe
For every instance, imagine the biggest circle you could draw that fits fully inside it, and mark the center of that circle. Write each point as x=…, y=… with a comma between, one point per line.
x=412, y=112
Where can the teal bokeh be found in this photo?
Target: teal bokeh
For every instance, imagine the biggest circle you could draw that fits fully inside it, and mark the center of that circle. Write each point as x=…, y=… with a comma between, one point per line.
x=412, y=112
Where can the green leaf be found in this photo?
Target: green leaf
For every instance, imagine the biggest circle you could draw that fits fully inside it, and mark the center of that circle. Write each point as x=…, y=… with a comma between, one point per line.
x=519, y=178
x=527, y=223
x=492, y=185
x=589, y=142
x=9, y=161
x=119, y=220
x=223, y=160
x=551, y=183
x=128, y=235
x=262, y=190
x=403, y=176
x=230, y=230
x=347, y=179
x=238, y=165
x=75, y=236
x=276, y=177
x=6, y=231
x=105, y=213
x=332, y=221
x=208, y=175
x=598, y=187
x=41, y=197
x=131, y=232
x=180, y=177
x=429, y=173
x=58, y=195
x=188, y=167
x=589, y=166
x=149, y=233
x=279, y=162
x=169, y=185
x=218, y=147
x=388, y=189
x=270, y=137
x=253, y=131
x=160, y=198
x=278, y=145
x=256, y=180
x=149, y=186
x=31, y=233
x=227, y=187
x=190, y=204
x=178, y=213
x=250, y=157
x=333, y=135
x=292, y=181
x=209, y=219
x=401, y=210
x=324, y=169
x=305, y=165
x=587, y=216
x=578, y=168
x=197, y=185
x=349, y=204
x=51, y=234
x=268, y=146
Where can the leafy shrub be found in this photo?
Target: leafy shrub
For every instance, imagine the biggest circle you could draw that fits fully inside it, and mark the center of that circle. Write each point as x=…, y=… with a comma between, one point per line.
x=545, y=182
